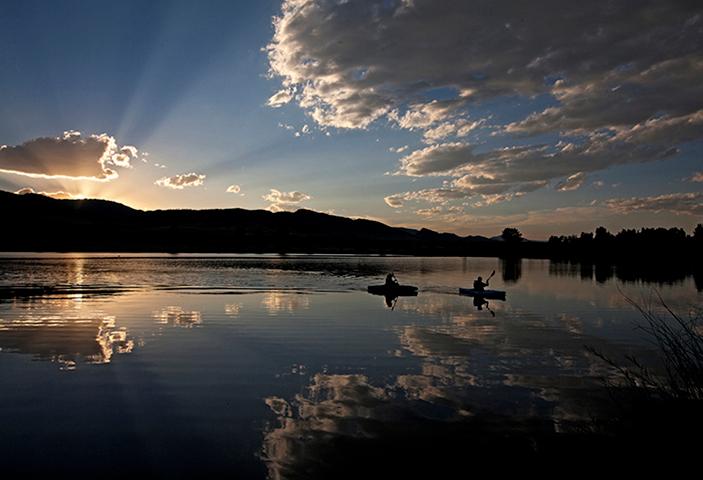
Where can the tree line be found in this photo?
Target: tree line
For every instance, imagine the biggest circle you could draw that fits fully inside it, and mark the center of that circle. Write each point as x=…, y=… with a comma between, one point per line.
x=653, y=242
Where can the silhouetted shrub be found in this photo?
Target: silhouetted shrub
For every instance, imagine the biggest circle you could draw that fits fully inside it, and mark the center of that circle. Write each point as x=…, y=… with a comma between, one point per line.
x=659, y=411
x=679, y=341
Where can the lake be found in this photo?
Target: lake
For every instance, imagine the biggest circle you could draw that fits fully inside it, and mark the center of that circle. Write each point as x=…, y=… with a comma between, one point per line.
x=271, y=366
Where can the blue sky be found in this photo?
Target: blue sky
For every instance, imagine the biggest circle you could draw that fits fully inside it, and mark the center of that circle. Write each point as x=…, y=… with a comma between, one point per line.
x=192, y=85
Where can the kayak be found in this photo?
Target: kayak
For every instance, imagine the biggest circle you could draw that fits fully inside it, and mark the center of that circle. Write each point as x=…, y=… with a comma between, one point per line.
x=493, y=294
x=393, y=290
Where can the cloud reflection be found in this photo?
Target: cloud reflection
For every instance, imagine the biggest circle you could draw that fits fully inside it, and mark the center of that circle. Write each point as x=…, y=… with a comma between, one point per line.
x=67, y=341
x=407, y=425
x=478, y=377
x=233, y=309
x=176, y=316
x=276, y=303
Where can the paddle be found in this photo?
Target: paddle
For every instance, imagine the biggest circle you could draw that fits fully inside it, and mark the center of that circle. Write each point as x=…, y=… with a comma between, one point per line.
x=490, y=276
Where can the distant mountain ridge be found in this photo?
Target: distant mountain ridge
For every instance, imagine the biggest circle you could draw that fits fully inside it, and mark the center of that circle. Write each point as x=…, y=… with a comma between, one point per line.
x=36, y=223
x=40, y=223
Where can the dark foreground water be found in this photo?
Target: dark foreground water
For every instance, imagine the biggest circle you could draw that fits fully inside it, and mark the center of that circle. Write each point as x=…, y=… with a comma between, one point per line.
x=285, y=367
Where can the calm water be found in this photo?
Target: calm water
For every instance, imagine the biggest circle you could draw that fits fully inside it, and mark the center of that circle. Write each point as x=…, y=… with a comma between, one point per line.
x=255, y=365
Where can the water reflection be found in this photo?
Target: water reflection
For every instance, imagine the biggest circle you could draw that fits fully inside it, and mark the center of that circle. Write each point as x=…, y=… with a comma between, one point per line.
x=511, y=269
x=654, y=272
x=233, y=309
x=276, y=303
x=447, y=307
x=505, y=379
x=324, y=272
x=419, y=426
x=391, y=301
x=509, y=368
x=176, y=316
x=332, y=406
x=76, y=276
x=480, y=303
x=437, y=380
x=65, y=340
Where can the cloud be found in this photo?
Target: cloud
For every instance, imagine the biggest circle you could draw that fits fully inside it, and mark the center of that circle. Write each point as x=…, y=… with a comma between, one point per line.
x=181, y=181
x=459, y=128
x=537, y=223
x=284, y=200
x=437, y=159
x=305, y=130
x=424, y=115
x=355, y=62
x=697, y=177
x=281, y=97
x=394, y=201
x=572, y=182
x=71, y=156
x=464, y=192
x=523, y=168
x=622, y=97
x=429, y=212
x=621, y=80
x=275, y=208
x=676, y=203
x=398, y=149
x=233, y=189
x=57, y=195
x=276, y=196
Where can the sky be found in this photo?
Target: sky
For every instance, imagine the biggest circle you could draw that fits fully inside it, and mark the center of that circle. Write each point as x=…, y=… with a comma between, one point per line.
x=462, y=116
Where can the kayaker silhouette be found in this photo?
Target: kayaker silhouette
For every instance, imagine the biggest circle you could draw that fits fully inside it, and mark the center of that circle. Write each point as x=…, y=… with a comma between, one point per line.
x=391, y=281
x=480, y=285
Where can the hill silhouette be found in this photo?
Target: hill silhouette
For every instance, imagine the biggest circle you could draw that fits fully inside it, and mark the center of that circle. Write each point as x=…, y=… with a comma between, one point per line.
x=39, y=223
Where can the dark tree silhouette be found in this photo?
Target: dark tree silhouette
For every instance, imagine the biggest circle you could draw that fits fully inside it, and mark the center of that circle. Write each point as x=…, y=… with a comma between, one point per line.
x=603, y=235
x=698, y=233
x=511, y=235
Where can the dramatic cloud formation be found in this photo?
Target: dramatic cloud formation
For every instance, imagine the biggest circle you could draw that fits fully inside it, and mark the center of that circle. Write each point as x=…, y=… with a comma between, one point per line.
x=353, y=62
x=524, y=169
x=57, y=195
x=71, y=155
x=284, y=200
x=181, y=181
x=619, y=83
x=676, y=203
